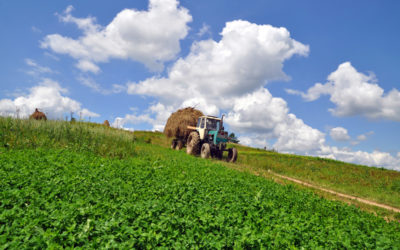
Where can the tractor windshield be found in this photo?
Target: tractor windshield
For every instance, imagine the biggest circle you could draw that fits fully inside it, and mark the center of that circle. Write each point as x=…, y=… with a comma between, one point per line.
x=212, y=124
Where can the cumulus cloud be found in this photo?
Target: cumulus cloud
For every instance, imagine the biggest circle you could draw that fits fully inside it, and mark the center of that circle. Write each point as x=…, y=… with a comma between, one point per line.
x=247, y=57
x=260, y=113
x=298, y=137
x=376, y=158
x=355, y=94
x=156, y=115
x=339, y=134
x=49, y=97
x=150, y=37
x=229, y=75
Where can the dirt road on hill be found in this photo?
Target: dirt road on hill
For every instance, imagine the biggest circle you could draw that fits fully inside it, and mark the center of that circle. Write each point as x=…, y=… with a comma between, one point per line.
x=368, y=202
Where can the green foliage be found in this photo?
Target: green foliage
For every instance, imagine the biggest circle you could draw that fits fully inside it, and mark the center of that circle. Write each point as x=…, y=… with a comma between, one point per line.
x=56, y=192
x=77, y=136
x=164, y=198
x=377, y=184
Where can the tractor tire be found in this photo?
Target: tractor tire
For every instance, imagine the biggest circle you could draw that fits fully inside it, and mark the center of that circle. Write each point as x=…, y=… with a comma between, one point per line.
x=193, y=143
x=173, y=144
x=232, y=155
x=205, y=151
x=179, y=145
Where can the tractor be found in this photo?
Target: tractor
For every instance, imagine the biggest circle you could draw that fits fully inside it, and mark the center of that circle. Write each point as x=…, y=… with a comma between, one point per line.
x=209, y=139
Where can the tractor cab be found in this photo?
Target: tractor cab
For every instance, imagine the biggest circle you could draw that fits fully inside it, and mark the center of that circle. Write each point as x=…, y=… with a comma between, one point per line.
x=210, y=129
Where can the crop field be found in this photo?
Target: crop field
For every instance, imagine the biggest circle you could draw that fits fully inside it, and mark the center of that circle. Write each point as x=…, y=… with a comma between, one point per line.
x=68, y=191
x=377, y=184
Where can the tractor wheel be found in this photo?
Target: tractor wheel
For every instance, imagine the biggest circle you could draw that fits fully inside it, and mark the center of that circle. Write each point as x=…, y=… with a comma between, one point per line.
x=205, y=151
x=173, y=144
x=193, y=143
x=232, y=155
x=179, y=145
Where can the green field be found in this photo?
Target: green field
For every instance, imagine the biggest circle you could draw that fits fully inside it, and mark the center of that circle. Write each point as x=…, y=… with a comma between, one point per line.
x=66, y=185
x=372, y=183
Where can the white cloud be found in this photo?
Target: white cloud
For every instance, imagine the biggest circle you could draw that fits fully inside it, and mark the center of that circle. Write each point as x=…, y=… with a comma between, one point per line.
x=156, y=115
x=36, y=69
x=89, y=82
x=36, y=30
x=205, y=29
x=297, y=137
x=258, y=141
x=229, y=75
x=259, y=114
x=150, y=37
x=376, y=158
x=339, y=134
x=247, y=56
x=356, y=94
x=362, y=137
x=47, y=97
x=87, y=66
x=51, y=56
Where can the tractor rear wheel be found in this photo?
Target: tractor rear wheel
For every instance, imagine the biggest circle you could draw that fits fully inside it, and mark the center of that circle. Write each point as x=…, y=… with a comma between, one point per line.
x=205, y=151
x=173, y=144
x=232, y=155
x=193, y=143
x=179, y=145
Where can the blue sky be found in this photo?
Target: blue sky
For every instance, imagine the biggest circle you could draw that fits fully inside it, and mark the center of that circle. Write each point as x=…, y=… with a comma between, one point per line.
x=258, y=62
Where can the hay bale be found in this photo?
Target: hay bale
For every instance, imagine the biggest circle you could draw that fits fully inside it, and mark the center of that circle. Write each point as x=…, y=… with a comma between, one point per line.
x=106, y=123
x=37, y=115
x=177, y=123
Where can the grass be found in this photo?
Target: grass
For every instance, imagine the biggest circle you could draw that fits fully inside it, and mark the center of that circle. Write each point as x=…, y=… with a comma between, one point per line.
x=59, y=190
x=78, y=136
x=372, y=183
x=376, y=184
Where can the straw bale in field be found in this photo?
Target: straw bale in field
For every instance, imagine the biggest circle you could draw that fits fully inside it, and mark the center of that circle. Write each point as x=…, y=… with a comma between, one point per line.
x=106, y=123
x=37, y=115
x=177, y=123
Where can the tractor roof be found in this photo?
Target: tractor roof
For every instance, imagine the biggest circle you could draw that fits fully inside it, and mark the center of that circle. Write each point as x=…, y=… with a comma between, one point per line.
x=211, y=117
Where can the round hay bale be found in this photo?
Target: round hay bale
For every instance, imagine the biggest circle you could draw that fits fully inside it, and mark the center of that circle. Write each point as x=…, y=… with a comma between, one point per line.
x=106, y=123
x=178, y=121
x=37, y=115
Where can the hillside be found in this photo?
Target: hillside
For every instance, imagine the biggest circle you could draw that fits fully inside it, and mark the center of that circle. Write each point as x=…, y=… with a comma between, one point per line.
x=376, y=184
x=86, y=185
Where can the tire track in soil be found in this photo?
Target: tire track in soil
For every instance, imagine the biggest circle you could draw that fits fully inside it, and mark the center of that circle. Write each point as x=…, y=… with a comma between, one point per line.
x=351, y=197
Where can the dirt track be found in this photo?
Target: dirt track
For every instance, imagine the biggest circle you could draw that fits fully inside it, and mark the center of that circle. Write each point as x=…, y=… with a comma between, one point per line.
x=372, y=203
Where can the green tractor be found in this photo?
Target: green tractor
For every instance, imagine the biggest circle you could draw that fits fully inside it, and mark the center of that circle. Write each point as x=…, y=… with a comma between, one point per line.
x=209, y=139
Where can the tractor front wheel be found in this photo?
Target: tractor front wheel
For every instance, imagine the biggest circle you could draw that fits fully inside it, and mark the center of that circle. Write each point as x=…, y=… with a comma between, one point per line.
x=179, y=145
x=173, y=144
x=232, y=155
x=205, y=151
x=193, y=143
